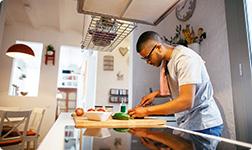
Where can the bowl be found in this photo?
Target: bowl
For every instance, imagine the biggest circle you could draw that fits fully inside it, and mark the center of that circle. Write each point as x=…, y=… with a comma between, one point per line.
x=98, y=115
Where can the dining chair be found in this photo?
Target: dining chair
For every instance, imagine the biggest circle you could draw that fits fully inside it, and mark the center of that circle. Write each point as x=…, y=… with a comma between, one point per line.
x=33, y=132
x=13, y=128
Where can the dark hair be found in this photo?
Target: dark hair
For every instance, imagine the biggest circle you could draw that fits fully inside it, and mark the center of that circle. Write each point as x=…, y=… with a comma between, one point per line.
x=144, y=37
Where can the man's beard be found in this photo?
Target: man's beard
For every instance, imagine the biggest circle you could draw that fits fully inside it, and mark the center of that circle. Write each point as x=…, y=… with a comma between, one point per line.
x=160, y=58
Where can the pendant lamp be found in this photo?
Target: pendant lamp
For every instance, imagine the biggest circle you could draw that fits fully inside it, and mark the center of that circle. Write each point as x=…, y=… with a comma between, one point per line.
x=20, y=51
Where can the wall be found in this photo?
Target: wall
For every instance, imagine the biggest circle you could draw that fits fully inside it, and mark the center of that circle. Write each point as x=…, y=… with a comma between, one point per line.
x=108, y=79
x=240, y=56
x=2, y=18
x=48, y=77
x=214, y=50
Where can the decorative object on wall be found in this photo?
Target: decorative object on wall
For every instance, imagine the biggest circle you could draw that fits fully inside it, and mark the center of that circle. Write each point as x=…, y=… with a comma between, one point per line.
x=50, y=50
x=186, y=36
x=108, y=63
x=20, y=51
x=185, y=9
x=50, y=54
x=119, y=76
x=123, y=50
x=118, y=95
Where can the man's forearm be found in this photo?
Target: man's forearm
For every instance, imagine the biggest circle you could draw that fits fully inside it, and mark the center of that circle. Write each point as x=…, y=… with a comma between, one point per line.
x=171, y=107
x=181, y=103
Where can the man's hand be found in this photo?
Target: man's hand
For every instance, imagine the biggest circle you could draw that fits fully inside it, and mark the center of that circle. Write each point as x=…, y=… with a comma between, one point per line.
x=147, y=99
x=138, y=112
x=140, y=132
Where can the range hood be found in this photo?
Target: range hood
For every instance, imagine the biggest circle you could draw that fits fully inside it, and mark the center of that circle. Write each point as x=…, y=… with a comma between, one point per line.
x=114, y=20
x=150, y=12
x=104, y=34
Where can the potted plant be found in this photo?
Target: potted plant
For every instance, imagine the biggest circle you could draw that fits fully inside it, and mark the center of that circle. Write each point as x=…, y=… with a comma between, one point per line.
x=186, y=36
x=49, y=50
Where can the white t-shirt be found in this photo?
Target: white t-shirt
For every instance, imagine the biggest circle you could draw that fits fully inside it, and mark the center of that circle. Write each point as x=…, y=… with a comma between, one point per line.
x=187, y=67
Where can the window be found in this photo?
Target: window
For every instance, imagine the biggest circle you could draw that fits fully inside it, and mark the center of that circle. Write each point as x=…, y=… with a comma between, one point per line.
x=25, y=73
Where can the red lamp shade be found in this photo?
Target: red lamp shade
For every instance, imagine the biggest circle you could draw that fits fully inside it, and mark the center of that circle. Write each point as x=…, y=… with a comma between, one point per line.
x=20, y=51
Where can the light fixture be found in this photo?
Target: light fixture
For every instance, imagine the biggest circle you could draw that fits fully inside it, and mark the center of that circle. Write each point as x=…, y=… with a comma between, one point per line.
x=20, y=51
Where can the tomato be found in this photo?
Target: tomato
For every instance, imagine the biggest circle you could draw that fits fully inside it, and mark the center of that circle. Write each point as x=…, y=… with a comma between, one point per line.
x=101, y=109
x=79, y=111
x=91, y=109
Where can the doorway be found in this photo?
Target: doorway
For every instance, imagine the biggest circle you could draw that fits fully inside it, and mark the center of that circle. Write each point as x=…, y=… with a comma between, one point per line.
x=76, y=79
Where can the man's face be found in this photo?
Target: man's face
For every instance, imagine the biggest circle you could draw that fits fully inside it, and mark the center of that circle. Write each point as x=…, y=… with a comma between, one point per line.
x=151, y=55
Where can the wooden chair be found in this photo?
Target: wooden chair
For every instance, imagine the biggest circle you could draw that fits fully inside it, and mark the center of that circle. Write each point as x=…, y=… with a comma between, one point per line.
x=11, y=137
x=34, y=127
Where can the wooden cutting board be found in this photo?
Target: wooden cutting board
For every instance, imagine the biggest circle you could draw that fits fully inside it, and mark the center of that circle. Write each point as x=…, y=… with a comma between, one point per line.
x=83, y=122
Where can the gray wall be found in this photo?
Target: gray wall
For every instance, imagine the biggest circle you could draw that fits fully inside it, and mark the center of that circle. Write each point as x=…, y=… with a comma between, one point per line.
x=240, y=56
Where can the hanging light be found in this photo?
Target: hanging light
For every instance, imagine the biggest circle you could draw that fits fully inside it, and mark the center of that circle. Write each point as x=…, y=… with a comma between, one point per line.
x=20, y=51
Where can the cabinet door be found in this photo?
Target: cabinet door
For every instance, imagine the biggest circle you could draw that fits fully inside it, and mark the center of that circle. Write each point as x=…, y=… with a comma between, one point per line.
x=68, y=102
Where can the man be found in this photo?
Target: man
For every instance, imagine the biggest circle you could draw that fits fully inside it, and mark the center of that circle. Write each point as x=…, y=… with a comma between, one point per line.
x=190, y=86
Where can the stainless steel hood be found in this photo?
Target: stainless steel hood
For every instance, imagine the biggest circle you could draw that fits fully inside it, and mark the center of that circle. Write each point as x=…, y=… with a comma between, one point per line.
x=149, y=12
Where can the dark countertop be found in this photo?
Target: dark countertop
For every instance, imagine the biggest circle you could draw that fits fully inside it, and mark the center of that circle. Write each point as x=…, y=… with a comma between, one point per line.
x=63, y=135
x=138, y=139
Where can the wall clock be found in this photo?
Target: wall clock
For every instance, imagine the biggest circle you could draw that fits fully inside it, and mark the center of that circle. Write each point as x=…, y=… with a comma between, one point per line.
x=185, y=9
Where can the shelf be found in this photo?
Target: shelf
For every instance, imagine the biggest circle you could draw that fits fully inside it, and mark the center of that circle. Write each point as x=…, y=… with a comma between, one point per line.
x=62, y=100
x=118, y=99
x=68, y=80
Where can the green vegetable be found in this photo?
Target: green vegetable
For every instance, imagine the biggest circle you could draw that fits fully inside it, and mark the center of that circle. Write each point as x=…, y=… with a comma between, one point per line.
x=121, y=129
x=121, y=116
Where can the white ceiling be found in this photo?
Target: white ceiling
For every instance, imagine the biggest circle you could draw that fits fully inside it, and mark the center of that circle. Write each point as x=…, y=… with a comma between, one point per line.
x=142, y=11
x=61, y=15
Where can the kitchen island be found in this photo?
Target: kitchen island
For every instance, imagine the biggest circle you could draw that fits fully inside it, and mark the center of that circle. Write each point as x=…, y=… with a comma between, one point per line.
x=63, y=135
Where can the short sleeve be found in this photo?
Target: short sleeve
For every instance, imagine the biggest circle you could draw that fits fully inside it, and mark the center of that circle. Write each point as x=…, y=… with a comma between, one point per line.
x=188, y=70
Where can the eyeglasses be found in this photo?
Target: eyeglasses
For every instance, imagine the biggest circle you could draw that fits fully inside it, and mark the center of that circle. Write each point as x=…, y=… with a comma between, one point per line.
x=147, y=58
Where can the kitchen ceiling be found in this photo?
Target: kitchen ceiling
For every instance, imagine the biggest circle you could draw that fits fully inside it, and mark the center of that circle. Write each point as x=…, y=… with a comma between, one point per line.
x=67, y=15
x=60, y=15
x=149, y=12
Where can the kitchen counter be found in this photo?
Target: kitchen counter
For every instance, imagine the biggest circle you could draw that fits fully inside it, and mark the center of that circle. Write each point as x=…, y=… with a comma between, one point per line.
x=63, y=135
x=54, y=140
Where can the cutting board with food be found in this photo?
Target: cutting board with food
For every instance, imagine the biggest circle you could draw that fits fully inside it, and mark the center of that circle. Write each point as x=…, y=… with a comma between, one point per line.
x=116, y=120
